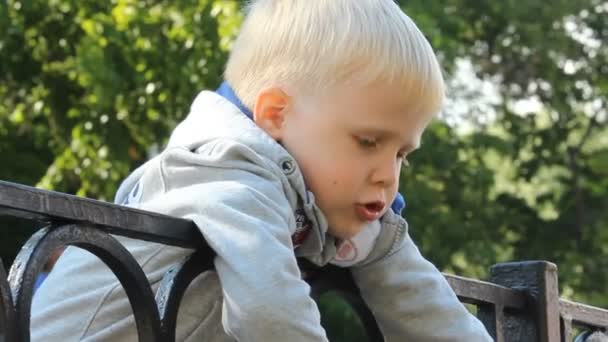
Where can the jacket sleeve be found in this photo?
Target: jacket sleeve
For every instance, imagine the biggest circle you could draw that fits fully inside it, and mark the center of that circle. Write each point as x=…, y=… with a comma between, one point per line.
x=243, y=213
x=411, y=300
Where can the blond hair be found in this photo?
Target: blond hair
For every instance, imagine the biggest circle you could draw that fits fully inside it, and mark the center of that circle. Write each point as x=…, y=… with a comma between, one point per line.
x=314, y=44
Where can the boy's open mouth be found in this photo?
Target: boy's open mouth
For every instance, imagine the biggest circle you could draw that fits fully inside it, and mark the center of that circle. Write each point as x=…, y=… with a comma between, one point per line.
x=370, y=211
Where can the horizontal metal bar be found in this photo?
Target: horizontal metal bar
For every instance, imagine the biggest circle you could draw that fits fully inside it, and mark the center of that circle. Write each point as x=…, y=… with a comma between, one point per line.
x=43, y=205
x=582, y=314
x=473, y=291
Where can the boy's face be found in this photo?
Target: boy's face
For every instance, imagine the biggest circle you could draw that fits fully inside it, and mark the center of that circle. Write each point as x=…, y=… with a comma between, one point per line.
x=349, y=143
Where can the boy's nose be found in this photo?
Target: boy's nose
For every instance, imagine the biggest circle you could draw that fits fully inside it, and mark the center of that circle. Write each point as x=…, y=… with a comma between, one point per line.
x=386, y=173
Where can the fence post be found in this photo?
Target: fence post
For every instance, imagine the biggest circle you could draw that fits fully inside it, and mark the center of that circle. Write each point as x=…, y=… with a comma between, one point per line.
x=538, y=279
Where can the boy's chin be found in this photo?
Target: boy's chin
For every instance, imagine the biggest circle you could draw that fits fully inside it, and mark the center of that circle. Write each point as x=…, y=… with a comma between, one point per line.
x=348, y=233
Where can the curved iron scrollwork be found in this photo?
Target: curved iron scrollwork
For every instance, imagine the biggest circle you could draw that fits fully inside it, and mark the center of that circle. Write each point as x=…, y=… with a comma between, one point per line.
x=340, y=281
x=155, y=316
x=38, y=248
x=7, y=313
x=174, y=285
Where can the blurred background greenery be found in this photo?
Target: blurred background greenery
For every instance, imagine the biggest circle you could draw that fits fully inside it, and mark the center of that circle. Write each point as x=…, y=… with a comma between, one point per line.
x=515, y=168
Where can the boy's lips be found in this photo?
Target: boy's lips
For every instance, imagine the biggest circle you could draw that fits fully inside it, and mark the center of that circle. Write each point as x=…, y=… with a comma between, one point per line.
x=369, y=211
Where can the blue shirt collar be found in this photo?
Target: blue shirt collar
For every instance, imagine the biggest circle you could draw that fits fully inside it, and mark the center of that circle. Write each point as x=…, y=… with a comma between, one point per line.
x=228, y=93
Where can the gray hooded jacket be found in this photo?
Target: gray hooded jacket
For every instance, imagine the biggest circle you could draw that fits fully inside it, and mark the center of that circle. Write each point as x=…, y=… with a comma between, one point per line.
x=245, y=193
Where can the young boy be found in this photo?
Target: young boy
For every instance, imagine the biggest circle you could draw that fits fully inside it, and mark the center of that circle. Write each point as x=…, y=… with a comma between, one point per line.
x=339, y=93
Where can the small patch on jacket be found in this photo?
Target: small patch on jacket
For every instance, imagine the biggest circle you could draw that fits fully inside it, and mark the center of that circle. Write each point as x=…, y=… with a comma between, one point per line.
x=347, y=251
x=303, y=226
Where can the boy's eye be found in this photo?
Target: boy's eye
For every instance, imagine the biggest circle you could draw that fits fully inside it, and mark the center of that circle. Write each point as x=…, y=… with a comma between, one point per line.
x=367, y=142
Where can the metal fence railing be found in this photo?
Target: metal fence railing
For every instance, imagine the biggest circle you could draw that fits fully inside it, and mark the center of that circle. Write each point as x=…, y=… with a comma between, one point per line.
x=520, y=302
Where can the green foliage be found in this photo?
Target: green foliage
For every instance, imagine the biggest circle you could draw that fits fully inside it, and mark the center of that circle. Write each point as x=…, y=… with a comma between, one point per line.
x=340, y=319
x=91, y=88
x=528, y=185
x=87, y=89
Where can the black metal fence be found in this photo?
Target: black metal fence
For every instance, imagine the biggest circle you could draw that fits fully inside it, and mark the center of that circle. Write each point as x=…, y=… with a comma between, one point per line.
x=520, y=302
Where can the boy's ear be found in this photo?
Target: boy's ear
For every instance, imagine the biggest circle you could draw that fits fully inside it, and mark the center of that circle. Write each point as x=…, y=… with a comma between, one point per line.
x=270, y=110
